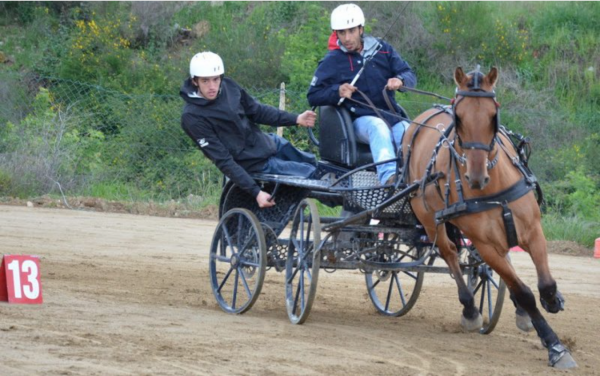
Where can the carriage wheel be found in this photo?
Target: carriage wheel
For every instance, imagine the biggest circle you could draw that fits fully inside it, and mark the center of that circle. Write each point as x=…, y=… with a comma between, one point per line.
x=224, y=196
x=238, y=256
x=394, y=293
x=303, y=262
x=488, y=292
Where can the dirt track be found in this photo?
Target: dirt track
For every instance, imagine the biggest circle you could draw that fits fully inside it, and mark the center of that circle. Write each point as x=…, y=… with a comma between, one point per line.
x=127, y=294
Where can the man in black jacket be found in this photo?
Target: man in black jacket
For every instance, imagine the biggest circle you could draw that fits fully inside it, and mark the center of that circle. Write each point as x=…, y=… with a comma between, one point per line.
x=223, y=119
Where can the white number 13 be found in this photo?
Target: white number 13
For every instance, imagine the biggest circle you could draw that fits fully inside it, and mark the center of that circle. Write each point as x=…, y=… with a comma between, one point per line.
x=31, y=291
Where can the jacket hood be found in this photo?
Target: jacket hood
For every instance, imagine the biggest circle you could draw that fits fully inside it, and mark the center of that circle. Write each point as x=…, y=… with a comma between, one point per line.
x=189, y=93
x=370, y=46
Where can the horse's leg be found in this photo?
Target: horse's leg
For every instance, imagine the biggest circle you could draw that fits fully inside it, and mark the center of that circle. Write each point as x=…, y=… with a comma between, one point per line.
x=550, y=298
x=558, y=355
x=522, y=318
x=471, y=318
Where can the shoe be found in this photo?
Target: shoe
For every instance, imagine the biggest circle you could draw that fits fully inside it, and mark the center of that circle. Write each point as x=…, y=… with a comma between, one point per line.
x=391, y=180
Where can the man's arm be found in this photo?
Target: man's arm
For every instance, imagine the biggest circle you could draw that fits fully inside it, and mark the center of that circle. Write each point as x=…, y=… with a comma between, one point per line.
x=209, y=143
x=264, y=114
x=401, y=69
x=269, y=115
x=324, y=89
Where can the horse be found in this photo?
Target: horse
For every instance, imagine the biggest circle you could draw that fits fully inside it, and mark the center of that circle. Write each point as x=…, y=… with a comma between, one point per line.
x=482, y=187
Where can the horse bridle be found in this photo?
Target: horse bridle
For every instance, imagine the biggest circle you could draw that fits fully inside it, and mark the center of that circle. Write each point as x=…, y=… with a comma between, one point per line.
x=476, y=92
x=480, y=204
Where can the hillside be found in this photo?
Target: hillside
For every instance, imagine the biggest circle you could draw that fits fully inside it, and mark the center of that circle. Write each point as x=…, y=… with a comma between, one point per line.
x=89, y=91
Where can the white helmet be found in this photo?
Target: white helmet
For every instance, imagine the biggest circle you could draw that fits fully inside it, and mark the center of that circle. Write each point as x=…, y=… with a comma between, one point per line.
x=206, y=64
x=347, y=16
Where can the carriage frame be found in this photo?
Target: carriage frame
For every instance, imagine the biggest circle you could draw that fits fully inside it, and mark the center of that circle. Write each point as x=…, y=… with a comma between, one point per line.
x=377, y=234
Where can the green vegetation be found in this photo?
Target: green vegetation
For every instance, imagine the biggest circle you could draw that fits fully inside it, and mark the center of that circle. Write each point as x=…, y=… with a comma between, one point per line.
x=89, y=104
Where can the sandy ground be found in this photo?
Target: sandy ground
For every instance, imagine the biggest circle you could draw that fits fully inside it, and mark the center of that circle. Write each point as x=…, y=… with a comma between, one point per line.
x=127, y=294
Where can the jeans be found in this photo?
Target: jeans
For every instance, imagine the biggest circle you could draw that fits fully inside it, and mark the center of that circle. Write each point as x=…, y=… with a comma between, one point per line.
x=375, y=132
x=289, y=161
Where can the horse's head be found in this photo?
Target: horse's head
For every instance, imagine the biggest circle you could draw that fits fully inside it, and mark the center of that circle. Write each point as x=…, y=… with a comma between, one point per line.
x=476, y=120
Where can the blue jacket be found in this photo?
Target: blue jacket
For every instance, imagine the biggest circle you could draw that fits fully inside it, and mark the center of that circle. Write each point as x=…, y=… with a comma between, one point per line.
x=340, y=66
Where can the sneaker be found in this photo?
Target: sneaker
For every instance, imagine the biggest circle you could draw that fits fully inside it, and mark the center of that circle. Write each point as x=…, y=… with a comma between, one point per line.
x=391, y=180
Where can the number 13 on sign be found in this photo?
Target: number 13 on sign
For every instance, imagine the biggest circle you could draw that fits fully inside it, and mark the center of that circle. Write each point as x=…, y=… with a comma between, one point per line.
x=20, y=279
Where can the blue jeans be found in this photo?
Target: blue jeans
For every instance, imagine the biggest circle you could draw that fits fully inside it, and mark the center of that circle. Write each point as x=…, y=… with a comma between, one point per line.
x=375, y=132
x=289, y=161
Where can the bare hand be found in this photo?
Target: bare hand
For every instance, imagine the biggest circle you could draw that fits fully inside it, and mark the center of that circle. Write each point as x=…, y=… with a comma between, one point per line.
x=346, y=91
x=307, y=119
x=394, y=83
x=263, y=200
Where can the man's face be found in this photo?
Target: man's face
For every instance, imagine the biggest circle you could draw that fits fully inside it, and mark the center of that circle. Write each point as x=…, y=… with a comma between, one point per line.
x=350, y=38
x=208, y=86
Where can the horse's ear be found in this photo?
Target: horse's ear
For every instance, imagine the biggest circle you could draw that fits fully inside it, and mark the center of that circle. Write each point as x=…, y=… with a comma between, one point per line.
x=459, y=76
x=492, y=77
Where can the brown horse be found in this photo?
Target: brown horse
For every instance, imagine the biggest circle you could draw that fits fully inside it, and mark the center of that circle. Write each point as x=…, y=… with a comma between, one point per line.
x=485, y=192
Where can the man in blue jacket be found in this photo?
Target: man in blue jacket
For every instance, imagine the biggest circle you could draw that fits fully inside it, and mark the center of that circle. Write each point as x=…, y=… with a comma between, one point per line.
x=223, y=119
x=385, y=70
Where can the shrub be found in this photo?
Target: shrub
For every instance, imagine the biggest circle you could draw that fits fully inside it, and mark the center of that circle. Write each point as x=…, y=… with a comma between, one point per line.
x=48, y=148
x=242, y=34
x=478, y=33
x=574, y=228
x=6, y=183
x=575, y=196
x=305, y=48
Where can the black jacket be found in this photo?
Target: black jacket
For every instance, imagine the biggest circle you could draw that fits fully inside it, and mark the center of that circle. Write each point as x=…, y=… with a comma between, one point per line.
x=226, y=130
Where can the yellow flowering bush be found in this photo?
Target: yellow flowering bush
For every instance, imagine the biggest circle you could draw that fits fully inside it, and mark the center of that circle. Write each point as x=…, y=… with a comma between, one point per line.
x=479, y=32
x=97, y=48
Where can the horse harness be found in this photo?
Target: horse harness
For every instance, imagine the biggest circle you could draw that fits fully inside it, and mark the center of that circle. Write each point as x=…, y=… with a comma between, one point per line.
x=480, y=204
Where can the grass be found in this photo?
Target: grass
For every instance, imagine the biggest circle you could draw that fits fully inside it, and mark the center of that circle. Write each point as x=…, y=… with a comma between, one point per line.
x=115, y=191
x=122, y=192
x=576, y=229
x=326, y=211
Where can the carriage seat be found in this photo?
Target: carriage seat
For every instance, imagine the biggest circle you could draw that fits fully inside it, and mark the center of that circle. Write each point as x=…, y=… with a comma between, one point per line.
x=338, y=144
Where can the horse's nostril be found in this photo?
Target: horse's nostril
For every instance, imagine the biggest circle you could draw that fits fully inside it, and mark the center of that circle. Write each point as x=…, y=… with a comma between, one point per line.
x=486, y=181
x=467, y=177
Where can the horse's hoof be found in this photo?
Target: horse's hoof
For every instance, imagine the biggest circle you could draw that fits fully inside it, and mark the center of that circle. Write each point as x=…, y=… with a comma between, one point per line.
x=472, y=325
x=556, y=306
x=565, y=362
x=559, y=357
x=524, y=322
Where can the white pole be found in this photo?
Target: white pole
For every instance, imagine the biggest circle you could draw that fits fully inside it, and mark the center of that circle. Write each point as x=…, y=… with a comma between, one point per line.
x=281, y=106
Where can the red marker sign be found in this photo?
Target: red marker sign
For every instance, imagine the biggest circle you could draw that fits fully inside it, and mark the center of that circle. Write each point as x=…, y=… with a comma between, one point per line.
x=20, y=279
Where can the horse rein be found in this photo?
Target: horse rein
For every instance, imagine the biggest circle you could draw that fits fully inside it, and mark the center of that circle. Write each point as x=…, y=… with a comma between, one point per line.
x=377, y=111
x=475, y=205
x=479, y=93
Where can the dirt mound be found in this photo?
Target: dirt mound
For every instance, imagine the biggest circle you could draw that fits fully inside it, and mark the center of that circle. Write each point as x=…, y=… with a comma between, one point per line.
x=171, y=208
x=571, y=248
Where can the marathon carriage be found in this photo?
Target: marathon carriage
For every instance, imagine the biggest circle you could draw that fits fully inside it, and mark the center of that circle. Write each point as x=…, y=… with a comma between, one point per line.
x=378, y=235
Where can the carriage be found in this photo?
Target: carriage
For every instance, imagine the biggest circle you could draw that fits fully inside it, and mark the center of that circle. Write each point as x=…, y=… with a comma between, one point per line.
x=464, y=194
x=377, y=233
